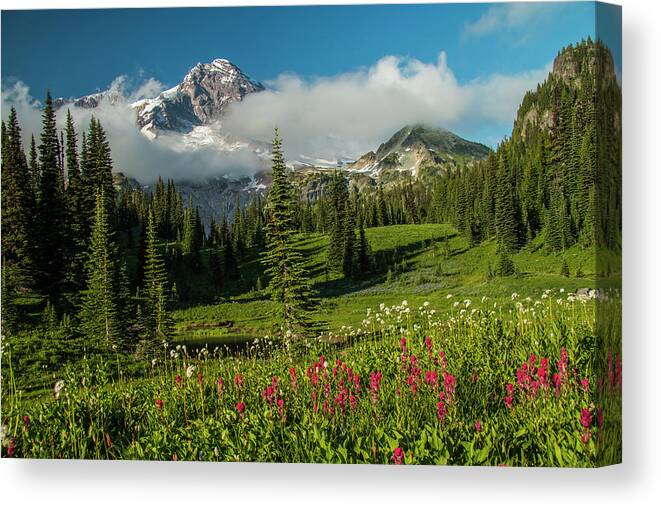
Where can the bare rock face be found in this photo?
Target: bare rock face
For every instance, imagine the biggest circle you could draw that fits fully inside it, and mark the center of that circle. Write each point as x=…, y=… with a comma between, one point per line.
x=200, y=99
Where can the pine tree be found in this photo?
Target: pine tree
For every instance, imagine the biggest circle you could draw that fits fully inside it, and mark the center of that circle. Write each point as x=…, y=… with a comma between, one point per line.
x=52, y=227
x=18, y=208
x=364, y=251
x=155, y=312
x=504, y=264
x=507, y=227
x=100, y=316
x=339, y=197
x=230, y=264
x=349, y=240
x=382, y=210
x=34, y=165
x=8, y=315
x=99, y=165
x=288, y=284
x=78, y=238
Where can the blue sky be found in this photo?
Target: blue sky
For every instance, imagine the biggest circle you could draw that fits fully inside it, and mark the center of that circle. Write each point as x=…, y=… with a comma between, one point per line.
x=47, y=48
x=488, y=54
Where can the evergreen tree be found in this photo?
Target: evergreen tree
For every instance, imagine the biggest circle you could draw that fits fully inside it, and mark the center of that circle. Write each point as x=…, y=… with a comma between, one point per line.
x=507, y=230
x=155, y=312
x=230, y=264
x=504, y=264
x=349, y=240
x=18, y=208
x=52, y=227
x=339, y=197
x=34, y=165
x=364, y=251
x=8, y=315
x=100, y=316
x=99, y=165
x=288, y=284
x=78, y=238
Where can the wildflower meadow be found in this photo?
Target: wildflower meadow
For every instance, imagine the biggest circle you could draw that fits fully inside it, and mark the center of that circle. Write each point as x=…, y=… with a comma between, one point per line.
x=511, y=383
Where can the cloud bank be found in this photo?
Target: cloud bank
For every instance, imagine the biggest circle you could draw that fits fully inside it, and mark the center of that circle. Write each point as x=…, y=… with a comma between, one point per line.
x=350, y=114
x=132, y=152
x=330, y=117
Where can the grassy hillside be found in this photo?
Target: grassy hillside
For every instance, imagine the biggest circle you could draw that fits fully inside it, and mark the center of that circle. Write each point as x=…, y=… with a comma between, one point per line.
x=413, y=262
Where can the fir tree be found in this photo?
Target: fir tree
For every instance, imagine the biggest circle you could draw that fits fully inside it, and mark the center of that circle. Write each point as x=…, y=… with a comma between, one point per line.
x=364, y=251
x=34, y=165
x=77, y=220
x=349, y=240
x=504, y=264
x=288, y=284
x=52, y=227
x=99, y=165
x=100, y=316
x=507, y=230
x=339, y=197
x=155, y=312
x=18, y=208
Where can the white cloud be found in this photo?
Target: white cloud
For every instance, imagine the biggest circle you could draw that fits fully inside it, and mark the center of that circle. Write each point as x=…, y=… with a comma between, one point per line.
x=132, y=152
x=508, y=16
x=344, y=115
x=352, y=113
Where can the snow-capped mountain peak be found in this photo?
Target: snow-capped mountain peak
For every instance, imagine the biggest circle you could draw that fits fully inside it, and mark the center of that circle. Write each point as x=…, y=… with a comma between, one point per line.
x=200, y=99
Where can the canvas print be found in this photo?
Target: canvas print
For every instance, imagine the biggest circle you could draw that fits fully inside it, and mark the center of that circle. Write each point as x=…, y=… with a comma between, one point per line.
x=359, y=234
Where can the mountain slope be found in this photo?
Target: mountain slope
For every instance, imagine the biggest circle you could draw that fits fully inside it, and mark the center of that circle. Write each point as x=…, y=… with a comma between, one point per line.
x=415, y=148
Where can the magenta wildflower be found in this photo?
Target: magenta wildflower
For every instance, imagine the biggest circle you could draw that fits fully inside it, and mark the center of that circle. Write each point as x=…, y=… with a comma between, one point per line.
x=585, y=384
x=441, y=411
x=398, y=456
x=586, y=418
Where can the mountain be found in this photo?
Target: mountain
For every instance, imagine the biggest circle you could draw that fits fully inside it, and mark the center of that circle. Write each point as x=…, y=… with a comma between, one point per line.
x=191, y=115
x=191, y=110
x=418, y=148
x=200, y=99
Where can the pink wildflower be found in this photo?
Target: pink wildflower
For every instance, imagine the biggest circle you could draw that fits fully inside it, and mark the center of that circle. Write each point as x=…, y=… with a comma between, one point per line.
x=292, y=376
x=375, y=383
x=585, y=384
x=398, y=456
x=586, y=418
x=241, y=408
x=509, y=397
x=450, y=383
x=441, y=410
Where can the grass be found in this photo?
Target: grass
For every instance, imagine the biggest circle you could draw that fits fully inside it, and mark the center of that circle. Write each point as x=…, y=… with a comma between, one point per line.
x=426, y=262
x=439, y=396
x=428, y=285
